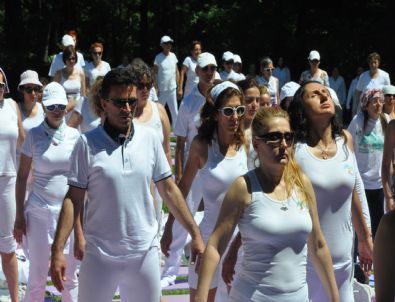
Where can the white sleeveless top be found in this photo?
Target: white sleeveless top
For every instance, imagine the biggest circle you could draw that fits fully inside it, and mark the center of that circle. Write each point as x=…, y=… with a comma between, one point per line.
x=216, y=176
x=8, y=137
x=274, y=236
x=72, y=87
x=154, y=122
x=333, y=181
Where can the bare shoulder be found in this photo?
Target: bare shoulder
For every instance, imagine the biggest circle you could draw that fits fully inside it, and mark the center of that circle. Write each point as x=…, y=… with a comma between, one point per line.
x=199, y=149
x=349, y=139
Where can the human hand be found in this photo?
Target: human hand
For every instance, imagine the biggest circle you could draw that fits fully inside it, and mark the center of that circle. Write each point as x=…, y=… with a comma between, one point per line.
x=228, y=266
x=79, y=247
x=58, y=270
x=389, y=204
x=365, y=254
x=166, y=240
x=19, y=228
x=197, y=250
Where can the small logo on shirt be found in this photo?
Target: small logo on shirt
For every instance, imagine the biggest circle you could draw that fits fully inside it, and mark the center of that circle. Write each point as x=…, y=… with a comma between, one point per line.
x=348, y=168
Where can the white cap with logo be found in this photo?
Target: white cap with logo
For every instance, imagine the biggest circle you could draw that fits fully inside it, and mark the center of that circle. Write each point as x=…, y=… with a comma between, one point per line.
x=54, y=94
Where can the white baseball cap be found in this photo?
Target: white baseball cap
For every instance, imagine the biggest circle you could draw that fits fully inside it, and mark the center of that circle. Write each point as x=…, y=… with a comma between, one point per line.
x=388, y=89
x=206, y=58
x=29, y=77
x=68, y=40
x=314, y=55
x=288, y=89
x=227, y=56
x=53, y=94
x=166, y=39
x=236, y=59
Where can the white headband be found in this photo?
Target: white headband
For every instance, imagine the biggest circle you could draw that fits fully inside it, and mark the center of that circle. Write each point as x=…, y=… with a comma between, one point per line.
x=217, y=89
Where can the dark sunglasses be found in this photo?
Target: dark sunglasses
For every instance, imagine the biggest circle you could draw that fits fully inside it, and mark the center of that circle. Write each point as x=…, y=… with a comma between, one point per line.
x=2, y=85
x=268, y=69
x=390, y=95
x=209, y=68
x=141, y=86
x=55, y=107
x=276, y=137
x=120, y=103
x=31, y=89
x=97, y=53
x=71, y=59
x=229, y=111
x=228, y=62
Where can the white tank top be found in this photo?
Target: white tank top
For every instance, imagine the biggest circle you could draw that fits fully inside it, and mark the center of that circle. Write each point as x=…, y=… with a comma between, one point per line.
x=154, y=122
x=8, y=137
x=216, y=176
x=274, y=236
x=72, y=87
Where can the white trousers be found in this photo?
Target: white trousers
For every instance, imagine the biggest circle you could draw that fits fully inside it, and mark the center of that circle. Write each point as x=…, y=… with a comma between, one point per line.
x=7, y=214
x=37, y=226
x=137, y=279
x=169, y=97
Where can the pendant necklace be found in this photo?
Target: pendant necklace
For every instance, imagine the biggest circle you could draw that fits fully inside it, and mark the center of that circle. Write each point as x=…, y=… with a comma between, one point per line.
x=324, y=151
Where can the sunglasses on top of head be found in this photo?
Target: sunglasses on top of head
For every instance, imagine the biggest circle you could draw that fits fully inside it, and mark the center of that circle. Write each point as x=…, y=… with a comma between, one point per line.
x=54, y=107
x=276, y=137
x=230, y=111
x=120, y=103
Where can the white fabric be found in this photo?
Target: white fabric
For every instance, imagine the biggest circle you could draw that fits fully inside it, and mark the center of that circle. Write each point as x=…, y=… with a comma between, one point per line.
x=120, y=220
x=282, y=74
x=274, y=242
x=154, y=122
x=153, y=96
x=89, y=119
x=138, y=278
x=339, y=86
x=58, y=63
x=92, y=71
x=30, y=122
x=71, y=86
x=272, y=86
x=217, y=89
x=232, y=75
x=192, y=78
x=368, y=148
x=8, y=137
x=7, y=213
x=169, y=97
x=320, y=76
x=366, y=82
x=333, y=182
x=351, y=92
x=167, y=66
x=216, y=176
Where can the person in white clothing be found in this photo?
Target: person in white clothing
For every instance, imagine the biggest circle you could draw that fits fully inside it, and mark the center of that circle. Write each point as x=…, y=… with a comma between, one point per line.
x=287, y=94
x=314, y=73
x=227, y=63
x=58, y=63
x=374, y=78
x=281, y=72
x=325, y=154
x=97, y=67
x=275, y=209
x=217, y=155
x=47, y=150
x=188, y=70
x=337, y=83
x=266, y=78
x=167, y=77
x=352, y=103
x=174, y=237
x=11, y=137
x=368, y=129
x=238, y=66
x=116, y=162
x=389, y=101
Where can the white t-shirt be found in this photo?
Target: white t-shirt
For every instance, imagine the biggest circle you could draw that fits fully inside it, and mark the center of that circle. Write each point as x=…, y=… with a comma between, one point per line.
x=58, y=63
x=120, y=220
x=339, y=86
x=153, y=96
x=272, y=86
x=351, y=92
x=89, y=119
x=282, y=74
x=188, y=119
x=368, y=148
x=30, y=122
x=232, y=75
x=192, y=78
x=8, y=137
x=92, y=71
x=366, y=82
x=167, y=66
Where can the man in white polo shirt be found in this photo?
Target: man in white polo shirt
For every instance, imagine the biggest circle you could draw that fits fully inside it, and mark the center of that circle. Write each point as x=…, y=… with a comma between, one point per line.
x=115, y=164
x=188, y=120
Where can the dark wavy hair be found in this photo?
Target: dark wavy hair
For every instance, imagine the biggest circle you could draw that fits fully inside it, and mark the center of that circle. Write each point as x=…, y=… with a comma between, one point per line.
x=300, y=122
x=209, y=123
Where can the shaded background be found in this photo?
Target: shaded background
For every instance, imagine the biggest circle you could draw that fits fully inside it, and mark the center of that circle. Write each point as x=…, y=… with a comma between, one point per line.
x=344, y=32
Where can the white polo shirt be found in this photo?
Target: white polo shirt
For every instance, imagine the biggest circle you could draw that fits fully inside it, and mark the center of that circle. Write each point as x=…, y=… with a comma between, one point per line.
x=120, y=220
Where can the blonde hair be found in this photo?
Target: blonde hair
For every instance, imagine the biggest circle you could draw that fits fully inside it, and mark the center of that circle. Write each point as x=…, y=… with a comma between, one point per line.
x=293, y=175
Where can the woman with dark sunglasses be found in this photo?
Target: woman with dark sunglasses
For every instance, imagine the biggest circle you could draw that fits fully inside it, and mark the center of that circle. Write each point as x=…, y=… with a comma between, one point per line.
x=11, y=136
x=219, y=154
x=274, y=207
x=46, y=150
x=325, y=153
x=271, y=82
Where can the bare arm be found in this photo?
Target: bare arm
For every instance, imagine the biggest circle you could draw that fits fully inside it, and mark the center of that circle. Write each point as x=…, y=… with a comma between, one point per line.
x=318, y=250
x=83, y=82
x=25, y=164
x=75, y=119
x=179, y=157
x=182, y=73
x=389, y=145
x=232, y=208
x=177, y=75
x=21, y=132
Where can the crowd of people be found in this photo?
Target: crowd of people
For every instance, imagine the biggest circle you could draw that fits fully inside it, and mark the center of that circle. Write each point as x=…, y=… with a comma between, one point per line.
x=293, y=195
